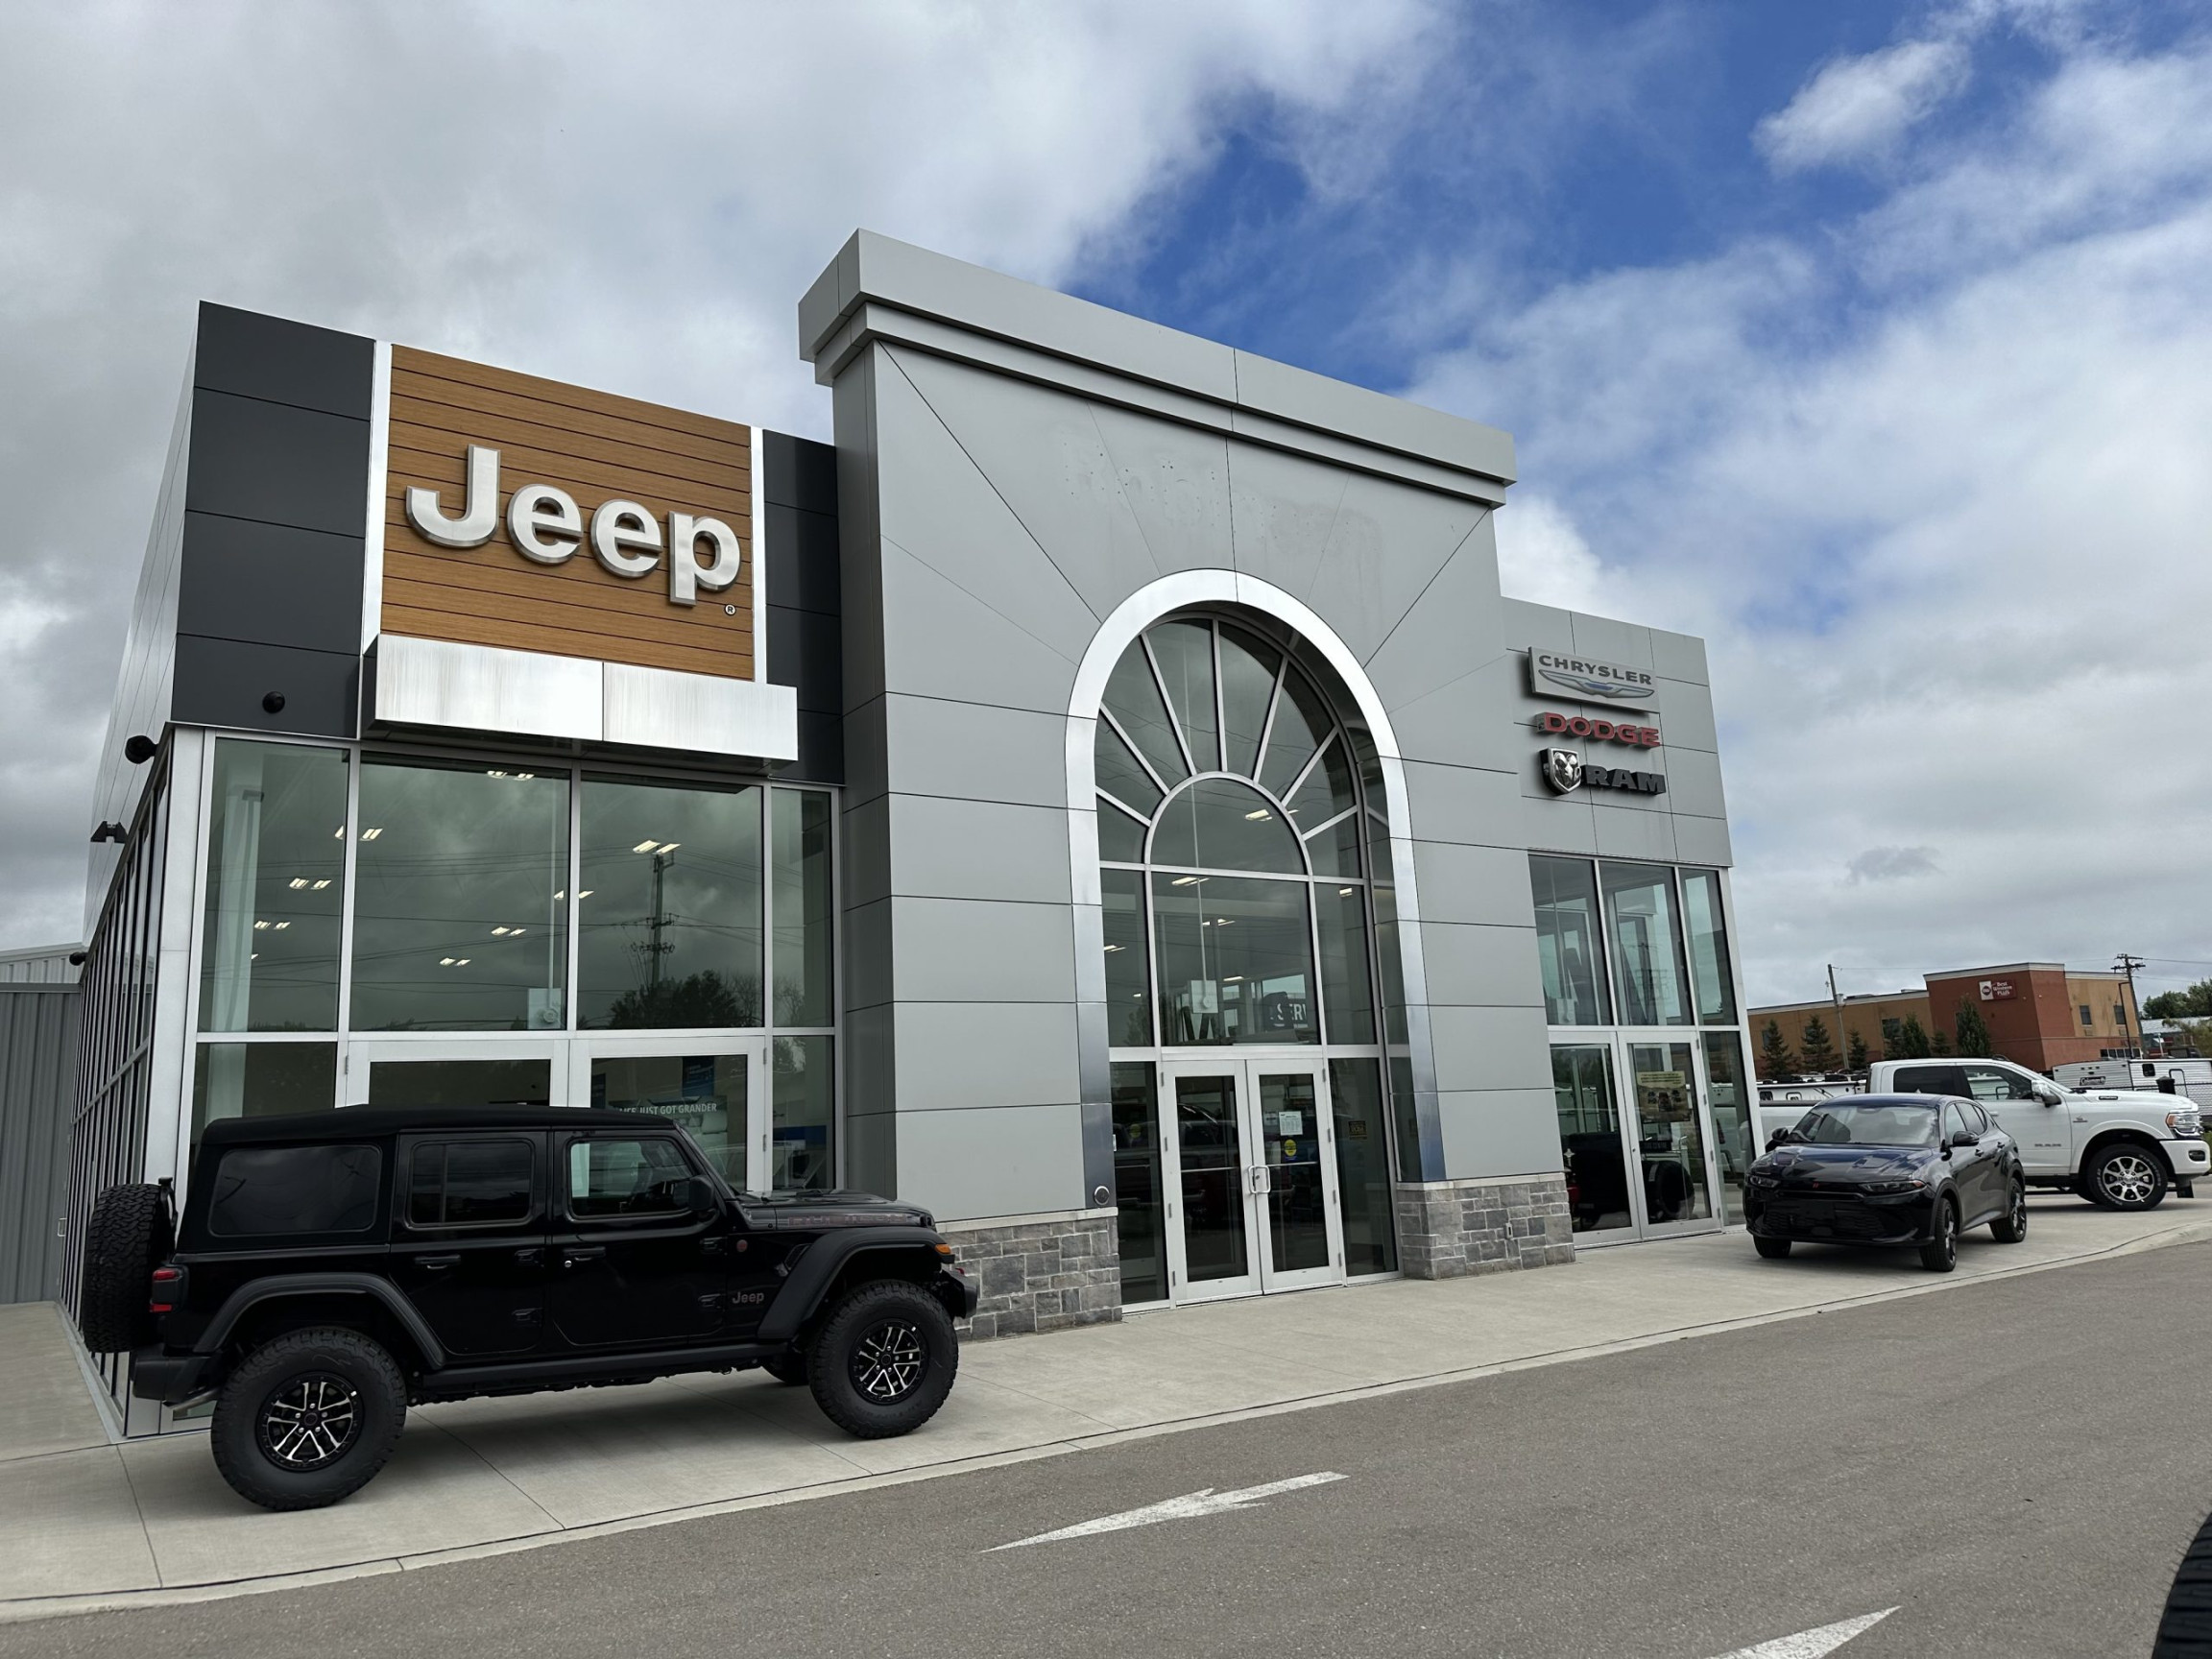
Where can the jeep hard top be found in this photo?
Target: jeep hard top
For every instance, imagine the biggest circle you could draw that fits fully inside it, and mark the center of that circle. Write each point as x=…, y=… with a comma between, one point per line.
x=331, y=1270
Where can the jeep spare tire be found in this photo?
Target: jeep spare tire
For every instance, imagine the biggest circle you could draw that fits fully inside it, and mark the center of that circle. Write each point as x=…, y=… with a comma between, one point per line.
x=128, y=1235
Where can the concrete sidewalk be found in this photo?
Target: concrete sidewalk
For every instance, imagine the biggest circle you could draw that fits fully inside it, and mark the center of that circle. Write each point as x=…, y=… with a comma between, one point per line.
x=85, y=1523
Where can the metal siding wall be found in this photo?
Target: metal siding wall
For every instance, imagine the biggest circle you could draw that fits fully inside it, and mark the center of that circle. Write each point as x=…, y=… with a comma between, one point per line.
x=37, y=1087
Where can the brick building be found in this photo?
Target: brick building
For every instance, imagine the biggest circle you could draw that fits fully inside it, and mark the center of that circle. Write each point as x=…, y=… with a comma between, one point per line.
x=2039, y=1014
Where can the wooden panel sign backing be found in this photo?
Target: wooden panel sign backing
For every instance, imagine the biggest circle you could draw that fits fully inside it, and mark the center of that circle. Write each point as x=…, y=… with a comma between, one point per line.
x=596, y=448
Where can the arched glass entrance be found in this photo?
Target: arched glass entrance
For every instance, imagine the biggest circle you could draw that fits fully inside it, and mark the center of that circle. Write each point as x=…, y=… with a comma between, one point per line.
x=1235, y=812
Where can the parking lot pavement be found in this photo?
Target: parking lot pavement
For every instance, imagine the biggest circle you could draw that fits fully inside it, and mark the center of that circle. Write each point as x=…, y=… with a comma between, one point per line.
x=153, y=1517
x=1997, y=1469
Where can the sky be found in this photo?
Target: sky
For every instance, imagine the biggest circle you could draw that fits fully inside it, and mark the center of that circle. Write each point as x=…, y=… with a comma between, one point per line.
x=1872, y=343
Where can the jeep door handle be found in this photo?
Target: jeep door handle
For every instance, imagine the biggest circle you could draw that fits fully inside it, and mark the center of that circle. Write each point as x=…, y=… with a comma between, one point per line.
x=438, y=1263
x=582, y=1252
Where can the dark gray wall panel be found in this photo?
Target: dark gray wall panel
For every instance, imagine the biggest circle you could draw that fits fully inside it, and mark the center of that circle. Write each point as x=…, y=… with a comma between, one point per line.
x=805, y=648
x=821, y=750
x=802, y=557
x=38, y=1088
x=272, y=584
x=277, y=464
x=798, y=473
x=222, y=682
x=283, y=361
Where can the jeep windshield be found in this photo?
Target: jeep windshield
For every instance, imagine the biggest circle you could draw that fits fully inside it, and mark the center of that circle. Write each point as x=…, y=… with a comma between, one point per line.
x=1869, y=1123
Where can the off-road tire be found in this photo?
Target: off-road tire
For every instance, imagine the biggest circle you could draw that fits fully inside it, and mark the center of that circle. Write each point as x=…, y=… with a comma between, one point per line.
x=128, y=1235
x=1774, y=1249
x=2126, y=1175
x=364, y=1379
x=856, y=1357
x=2185, y=1627
x=2011, y=1227
x=1940, y=1254
x=789, y=1366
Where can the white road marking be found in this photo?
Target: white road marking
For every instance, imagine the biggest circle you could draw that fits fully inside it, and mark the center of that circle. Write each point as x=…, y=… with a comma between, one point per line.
x=1187, y=1507
x=1812, y=1644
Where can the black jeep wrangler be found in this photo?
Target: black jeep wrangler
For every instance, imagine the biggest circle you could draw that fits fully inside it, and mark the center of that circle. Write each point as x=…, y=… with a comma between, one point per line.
x=332, y=1269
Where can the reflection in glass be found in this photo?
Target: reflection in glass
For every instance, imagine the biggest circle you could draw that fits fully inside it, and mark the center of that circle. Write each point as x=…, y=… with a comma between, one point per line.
x=1325, y=791
x=1219, y=824
x=1185, y=652
x=1347, y=992
x=1590, y=1136
x=1118, y=772
x=1128, y=999
x=1248, y=668
x=1137, y=1176
x=461, y=918
x=1120, y=837
x=1302, y=720
x=488, y=1082
x=1297, y=1198
x=704, y=1093
x=261, y=1079
x=275, y=888
x=1334, y=847
x=1732, y=1122
x=1668, y=1141
x=1708, y=947
x=1236, y=960
x=1647, y=945
x=806, y=919
x=1211, y=1150
x=1406, y=1116
x=1133, y=698
x=802, y=1152
x=669, y=905
x=1362, y=1166
x=1567, y=941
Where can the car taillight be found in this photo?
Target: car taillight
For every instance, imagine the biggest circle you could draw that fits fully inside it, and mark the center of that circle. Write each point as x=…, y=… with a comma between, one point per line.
x=168, y=1290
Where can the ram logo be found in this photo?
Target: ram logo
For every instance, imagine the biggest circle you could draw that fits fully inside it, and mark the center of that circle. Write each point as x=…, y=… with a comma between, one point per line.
x=1562, y=769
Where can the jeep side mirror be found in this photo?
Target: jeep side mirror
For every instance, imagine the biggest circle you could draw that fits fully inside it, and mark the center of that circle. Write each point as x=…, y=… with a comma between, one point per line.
x=700, y=1196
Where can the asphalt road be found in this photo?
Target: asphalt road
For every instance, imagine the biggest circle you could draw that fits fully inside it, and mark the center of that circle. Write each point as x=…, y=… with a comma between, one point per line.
x=2010, y=1465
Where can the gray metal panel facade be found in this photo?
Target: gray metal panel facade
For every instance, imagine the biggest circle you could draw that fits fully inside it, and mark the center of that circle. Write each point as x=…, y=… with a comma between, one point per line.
x=38, y=1083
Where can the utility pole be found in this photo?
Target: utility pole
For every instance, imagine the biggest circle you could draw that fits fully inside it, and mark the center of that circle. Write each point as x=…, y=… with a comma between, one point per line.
x=2128, y=965
x=1837, y=1002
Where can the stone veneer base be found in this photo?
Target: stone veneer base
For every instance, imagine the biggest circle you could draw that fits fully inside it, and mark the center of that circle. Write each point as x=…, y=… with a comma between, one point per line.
x=1449, y=1229
x=1041, y=1272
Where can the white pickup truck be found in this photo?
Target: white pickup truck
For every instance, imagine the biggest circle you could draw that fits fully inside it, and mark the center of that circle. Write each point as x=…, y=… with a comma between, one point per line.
x=2123, y=1149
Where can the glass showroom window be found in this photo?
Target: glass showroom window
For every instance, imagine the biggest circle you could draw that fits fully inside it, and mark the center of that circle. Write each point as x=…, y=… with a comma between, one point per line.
x=1648, y=976
x=461, y=914
x=668, y=905
x=1228, y=797
x=1567, y=942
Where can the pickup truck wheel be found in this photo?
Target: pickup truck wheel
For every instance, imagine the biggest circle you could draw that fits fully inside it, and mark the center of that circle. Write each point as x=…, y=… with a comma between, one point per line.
x=884, y=1359
x=2185, y=1625
x=1940, y=1254
x=307, y=1419
x=1774, y=1249
x=2011, y=1227
x=126, y=1237
x=2125, y=1176
x=786, y=1367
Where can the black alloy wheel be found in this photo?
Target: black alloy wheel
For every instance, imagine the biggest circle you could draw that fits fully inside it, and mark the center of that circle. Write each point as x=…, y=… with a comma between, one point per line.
x=307, y=1418
x=883, y=1361
x=2011, y=1227
x=2125, y=1176
x=1940, y=1254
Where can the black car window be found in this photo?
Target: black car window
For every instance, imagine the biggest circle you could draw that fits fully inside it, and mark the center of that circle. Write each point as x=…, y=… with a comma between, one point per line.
x=1885, y=1123
x=1938, y=1079
x=1995, y=1083
x=470, y=1183
x=1955, y=1119
x=259, y=1190
x=1977, y=1120
x=626, y=1175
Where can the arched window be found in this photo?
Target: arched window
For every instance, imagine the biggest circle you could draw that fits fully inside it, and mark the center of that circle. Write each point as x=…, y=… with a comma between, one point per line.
x=1234, y=847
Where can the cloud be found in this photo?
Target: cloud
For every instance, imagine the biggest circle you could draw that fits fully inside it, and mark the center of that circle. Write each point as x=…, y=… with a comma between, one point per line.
x=1857, y=107
x=626, y=197
x=1542, y=558
x=1892, y=864
x=1930, y=480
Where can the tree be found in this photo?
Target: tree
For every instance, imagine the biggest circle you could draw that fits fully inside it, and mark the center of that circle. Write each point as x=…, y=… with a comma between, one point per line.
x=1855, y=1053
x=1939, y=1042
x=1778, y=1063
x=2194, y=1003
x=1972, y=1032
x=702, y=998
x=1911, y=1040
x=1816, y=1053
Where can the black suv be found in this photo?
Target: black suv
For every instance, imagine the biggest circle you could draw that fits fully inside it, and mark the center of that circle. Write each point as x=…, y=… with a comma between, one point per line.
x=332, y=1269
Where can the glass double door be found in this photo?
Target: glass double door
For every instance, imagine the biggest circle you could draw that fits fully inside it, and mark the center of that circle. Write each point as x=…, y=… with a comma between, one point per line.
x=1635, y=1131
x=1250, y=1171
x=716, y=1087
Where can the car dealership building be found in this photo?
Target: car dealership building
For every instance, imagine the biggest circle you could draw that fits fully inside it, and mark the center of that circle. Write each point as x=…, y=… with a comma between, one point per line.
x=1103, y=797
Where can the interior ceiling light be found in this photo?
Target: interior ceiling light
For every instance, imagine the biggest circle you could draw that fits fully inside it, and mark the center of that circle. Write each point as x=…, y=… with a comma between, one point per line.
x=670, y=846
x=1343, y=892
x=461, y=962
x=371, y=834
x=1231, y=978
x=445, y=961
x=562, y=894
x=645, y=847
x=494, y=774
x=1113, y=947
x=1224, y=921
x=517, y=933
x=498, y=932
x=583, y=892
x=324, y=882
x=282, y=925
x=296, y=883
x=525, y=776
x=339, y=833
x=1258, y=816
x=1182, y=880
x=260, y=926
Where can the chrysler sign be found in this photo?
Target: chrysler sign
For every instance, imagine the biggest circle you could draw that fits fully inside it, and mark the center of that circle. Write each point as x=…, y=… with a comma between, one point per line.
x=1552, y=672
